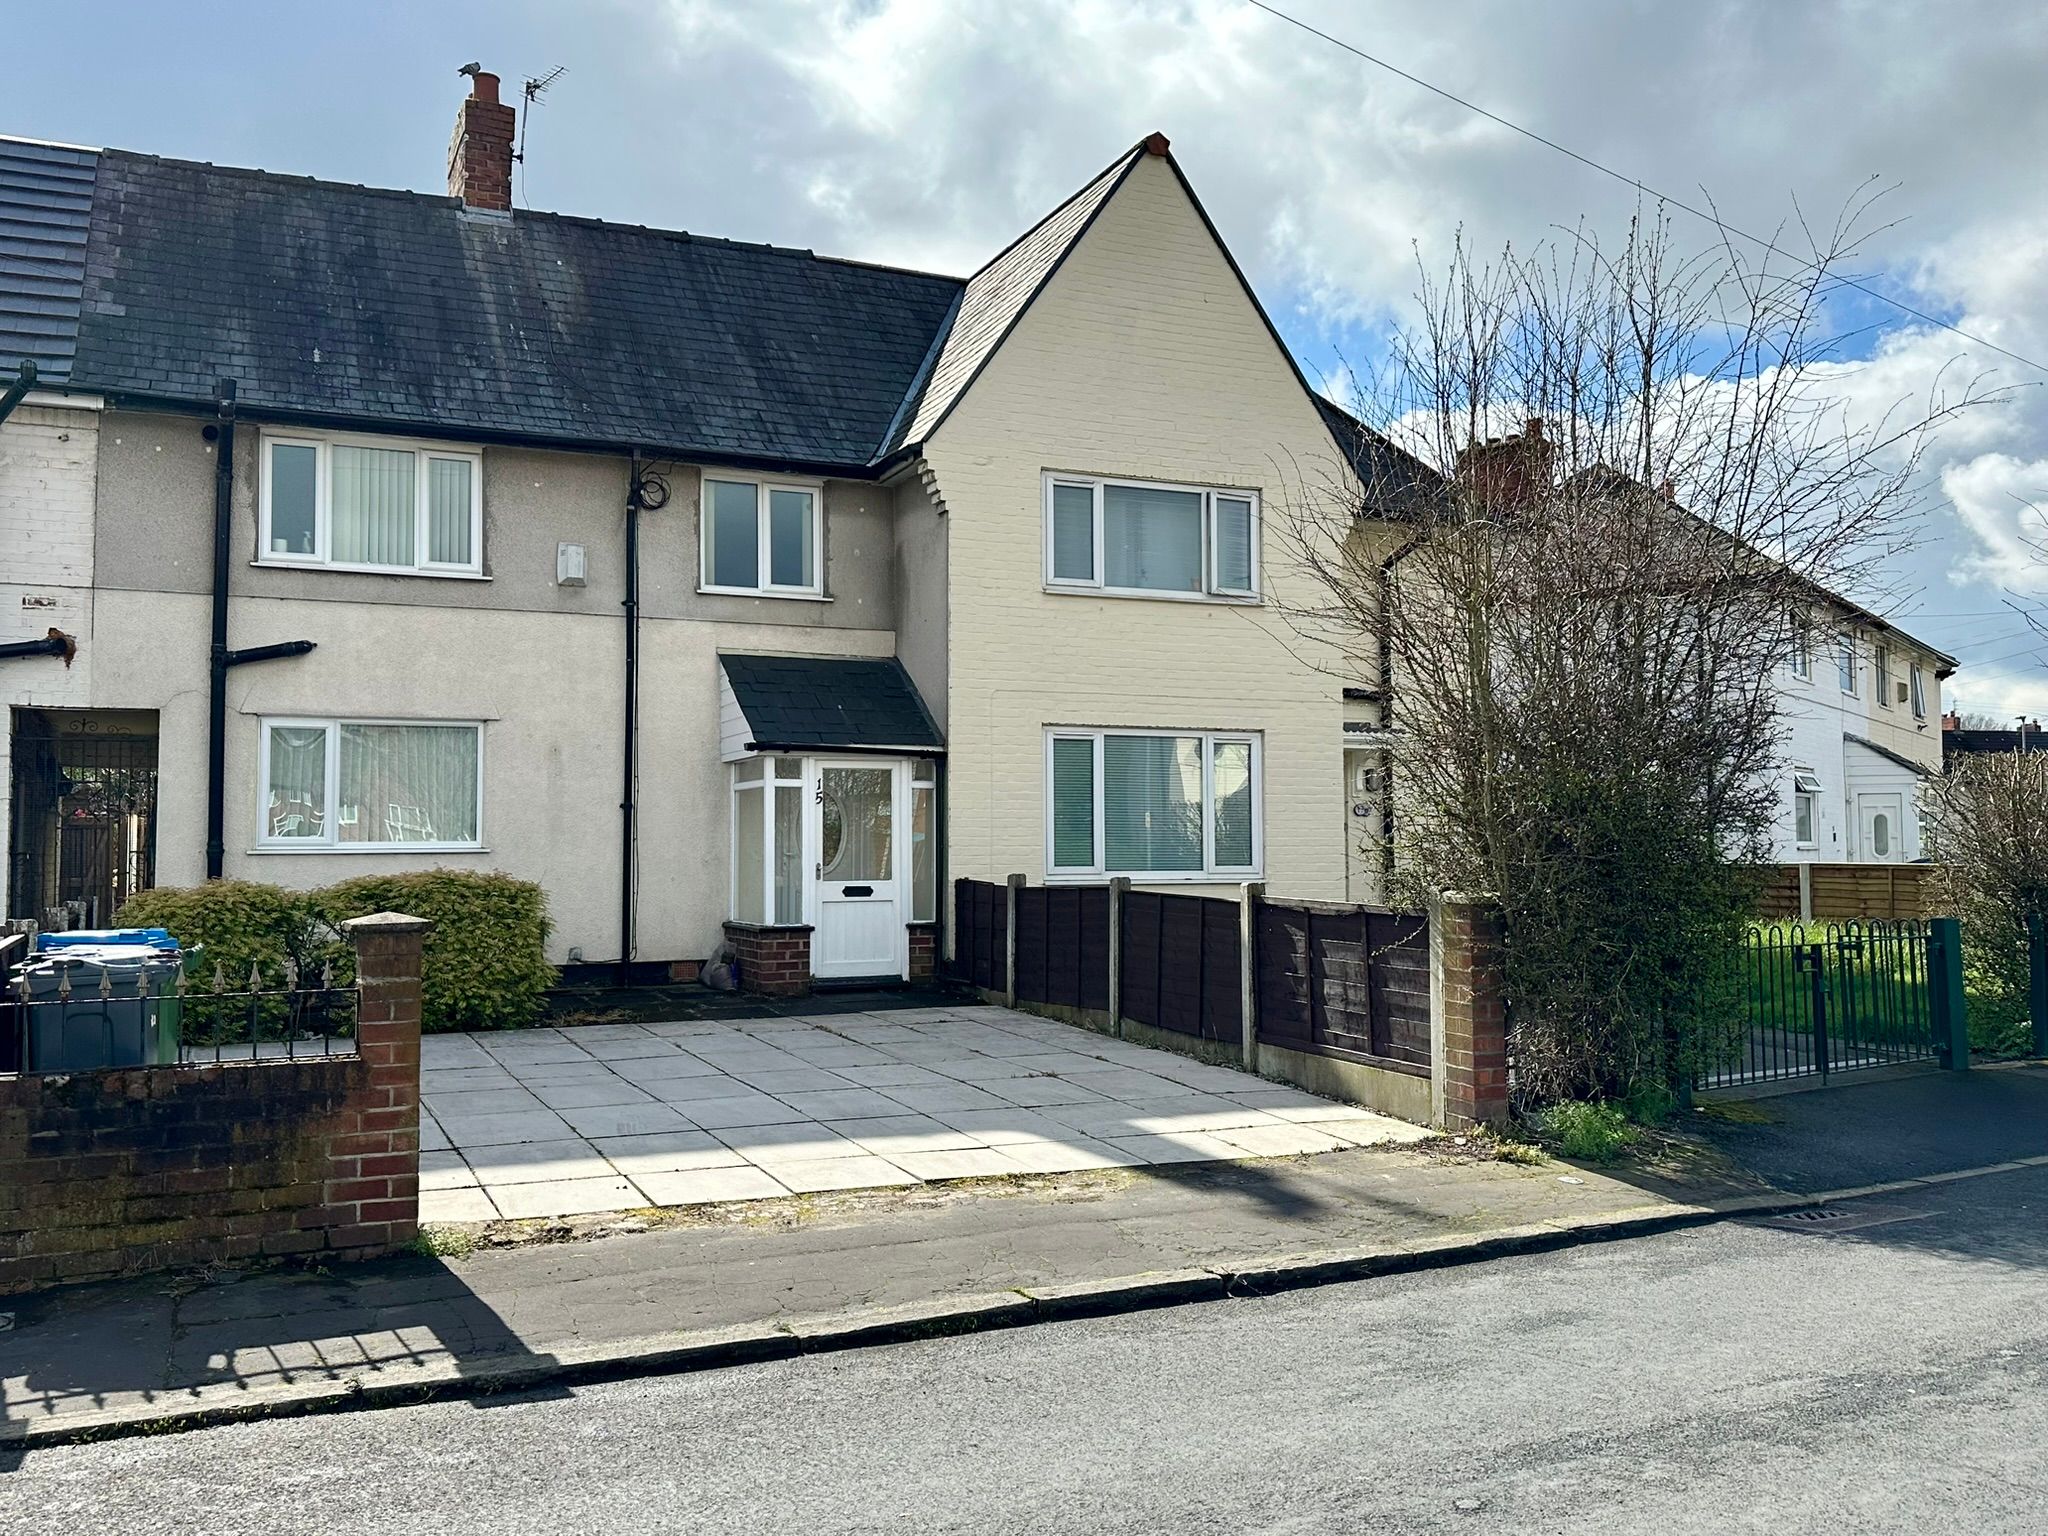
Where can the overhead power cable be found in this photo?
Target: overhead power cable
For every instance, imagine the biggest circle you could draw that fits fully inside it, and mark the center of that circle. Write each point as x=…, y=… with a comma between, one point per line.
x=1641, y=186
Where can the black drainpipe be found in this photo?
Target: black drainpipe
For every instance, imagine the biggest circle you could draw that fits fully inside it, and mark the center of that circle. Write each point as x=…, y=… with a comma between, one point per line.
x=629, y=765
x=219, y=657
x=24, y=381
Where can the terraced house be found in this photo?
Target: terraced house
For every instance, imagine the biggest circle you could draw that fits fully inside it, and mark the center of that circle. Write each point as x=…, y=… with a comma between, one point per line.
x=726, y=590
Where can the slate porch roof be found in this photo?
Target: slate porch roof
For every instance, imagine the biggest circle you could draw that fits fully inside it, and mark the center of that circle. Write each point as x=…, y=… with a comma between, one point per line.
x=805, y=702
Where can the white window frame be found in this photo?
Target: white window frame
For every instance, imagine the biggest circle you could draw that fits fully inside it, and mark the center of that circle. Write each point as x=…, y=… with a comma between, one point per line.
x=764, y=789
x=916, y=779
x=1211, y=873
x=331, y=812
x=1098, y=586
x=1916, y=685
x=1881, y=670
x=1848, y=676
x=424, y=453
x=1806, y=786
x=1802, y=650
x=762, y=484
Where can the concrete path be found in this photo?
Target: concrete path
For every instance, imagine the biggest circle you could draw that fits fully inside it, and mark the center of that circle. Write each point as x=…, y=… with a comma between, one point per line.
x=1748, y=1377
x=762, y=1276
x=614, y=1117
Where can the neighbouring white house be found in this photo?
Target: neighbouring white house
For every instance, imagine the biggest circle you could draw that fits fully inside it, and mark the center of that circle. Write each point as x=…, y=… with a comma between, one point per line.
x=729, y=591
x=1861, y=701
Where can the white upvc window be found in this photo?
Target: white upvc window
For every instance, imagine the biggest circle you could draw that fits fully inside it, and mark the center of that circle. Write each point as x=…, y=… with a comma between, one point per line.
x=1845, y=664
x=1802, y=647
x=1154, y=805
x=370, y=786
x=385, y=504
x=1881, y=671
x=924, y=840
x=1917, y=688
x=768, y=840
x=1135, y=538
x=1805, y=793
x=761, y=536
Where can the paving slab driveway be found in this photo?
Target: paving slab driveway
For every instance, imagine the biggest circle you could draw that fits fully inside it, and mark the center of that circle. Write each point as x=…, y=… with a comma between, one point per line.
x=561, y=1122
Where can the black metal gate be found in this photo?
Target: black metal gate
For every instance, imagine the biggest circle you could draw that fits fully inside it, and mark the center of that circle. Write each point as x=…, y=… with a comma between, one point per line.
x=1826, y=998
x=82, y=824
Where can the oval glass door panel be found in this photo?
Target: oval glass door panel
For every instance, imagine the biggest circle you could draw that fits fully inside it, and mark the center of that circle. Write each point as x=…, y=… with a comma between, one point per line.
x=859, y=926
x=857, y=811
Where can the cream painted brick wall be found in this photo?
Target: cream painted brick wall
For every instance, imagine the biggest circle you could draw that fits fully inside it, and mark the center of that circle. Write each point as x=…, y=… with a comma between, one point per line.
x=48, y=465
x=1142, y=358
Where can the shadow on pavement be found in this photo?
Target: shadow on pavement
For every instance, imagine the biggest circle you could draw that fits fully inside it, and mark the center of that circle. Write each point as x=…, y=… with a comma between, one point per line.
x=174, y=1342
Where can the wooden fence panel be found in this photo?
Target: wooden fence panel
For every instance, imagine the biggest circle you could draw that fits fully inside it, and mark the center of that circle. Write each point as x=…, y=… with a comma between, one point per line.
x=1900, y=891
x=980, y=920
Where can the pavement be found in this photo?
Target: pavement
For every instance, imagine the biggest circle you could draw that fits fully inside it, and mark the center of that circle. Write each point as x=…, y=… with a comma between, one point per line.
x=623, y=1116
x=719, y=1284
x=1884, y=1371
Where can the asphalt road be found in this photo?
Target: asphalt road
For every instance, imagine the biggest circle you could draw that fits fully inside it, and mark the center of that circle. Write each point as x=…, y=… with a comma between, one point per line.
x=1841, y=1377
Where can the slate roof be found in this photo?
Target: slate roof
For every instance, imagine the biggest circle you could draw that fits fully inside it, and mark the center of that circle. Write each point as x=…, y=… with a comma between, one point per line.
x=1888, y=754
x=45, y=206
x=327, y=300
x=830, y=701
x=1391, y=475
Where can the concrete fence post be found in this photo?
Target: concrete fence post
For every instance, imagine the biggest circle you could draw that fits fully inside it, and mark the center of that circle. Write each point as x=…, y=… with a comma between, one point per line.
x=1946, y=1007
x=389, y=949
x=1468, y=1014
x=1119, y=887
x=1805, y=892
x=1248, y=897
x=1014, y=884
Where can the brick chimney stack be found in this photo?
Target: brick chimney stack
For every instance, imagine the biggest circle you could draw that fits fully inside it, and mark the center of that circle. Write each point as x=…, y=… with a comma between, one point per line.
x=1505, y=474
x=480, y=153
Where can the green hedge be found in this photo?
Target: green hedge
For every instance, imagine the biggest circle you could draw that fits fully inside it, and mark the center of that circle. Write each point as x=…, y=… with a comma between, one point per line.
x=485, y=964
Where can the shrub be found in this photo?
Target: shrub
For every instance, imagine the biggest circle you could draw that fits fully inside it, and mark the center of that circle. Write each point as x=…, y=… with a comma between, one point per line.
x=485, y=965
x=243, y=927
x=1590, y=1132
x=1986, y=821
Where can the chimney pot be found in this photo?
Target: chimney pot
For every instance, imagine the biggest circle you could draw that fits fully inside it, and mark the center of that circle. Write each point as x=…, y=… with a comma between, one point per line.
x=1156, y=144
x=483, y=86
x=1535, y=428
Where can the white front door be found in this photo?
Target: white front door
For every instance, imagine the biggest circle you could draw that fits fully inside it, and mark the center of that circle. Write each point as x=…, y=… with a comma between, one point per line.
x=857, y=879
x=1880, y=829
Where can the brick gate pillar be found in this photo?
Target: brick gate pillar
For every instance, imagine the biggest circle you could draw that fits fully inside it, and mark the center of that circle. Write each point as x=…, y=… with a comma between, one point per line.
x=385, y=1186
x=1468, y=1014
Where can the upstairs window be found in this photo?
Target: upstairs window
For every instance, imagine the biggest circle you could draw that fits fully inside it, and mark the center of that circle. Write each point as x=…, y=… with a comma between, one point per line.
x=1917, y=689
x=1135, y=538
x=371, y=504
x=1881, y=669
x=1802, y=648
x=762, y=537
x=1845, y=664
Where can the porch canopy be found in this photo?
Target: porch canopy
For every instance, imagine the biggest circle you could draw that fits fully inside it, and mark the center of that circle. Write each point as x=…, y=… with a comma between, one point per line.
x=822, y=704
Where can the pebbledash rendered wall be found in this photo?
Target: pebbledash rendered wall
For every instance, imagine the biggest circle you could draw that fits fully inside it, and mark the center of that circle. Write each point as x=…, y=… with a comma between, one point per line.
x=125, y=1172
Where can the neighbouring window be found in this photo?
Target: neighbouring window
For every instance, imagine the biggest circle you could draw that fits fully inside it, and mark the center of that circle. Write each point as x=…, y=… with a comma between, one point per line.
x=1881, y=674
x=768, y=840
x=762, y=537
x=1123, y=536
x=1917, y=687
x=1802, y=647
x=367, y=785
x=371, y=504
x=1152, y=804
x=1805, y=789
x=1845, y=664
x=924, y=841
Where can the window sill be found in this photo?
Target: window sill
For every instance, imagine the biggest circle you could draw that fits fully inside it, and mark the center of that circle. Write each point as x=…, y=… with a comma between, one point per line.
x=769, y=592
x=1207, y=877
x=1216, y=600
x=365, y=570
x=265, y=850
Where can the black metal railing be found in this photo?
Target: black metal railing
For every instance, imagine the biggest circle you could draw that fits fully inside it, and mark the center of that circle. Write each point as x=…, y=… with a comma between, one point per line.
x=84, y=1019
x=1824, y=998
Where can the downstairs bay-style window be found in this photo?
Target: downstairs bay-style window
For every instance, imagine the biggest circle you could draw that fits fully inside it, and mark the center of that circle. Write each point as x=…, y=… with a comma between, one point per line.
x=367, y=786
x=1153, y=805
x=762, y=538
x=768, y=840
x=1138, y=539
x=371, y=504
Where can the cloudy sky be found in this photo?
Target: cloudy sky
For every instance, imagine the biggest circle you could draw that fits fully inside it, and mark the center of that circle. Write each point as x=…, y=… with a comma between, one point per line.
x=929, y=132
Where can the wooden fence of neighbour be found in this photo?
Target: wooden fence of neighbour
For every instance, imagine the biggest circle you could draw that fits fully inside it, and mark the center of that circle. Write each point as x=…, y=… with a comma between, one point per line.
x=1339, y=981
x=1897, y=891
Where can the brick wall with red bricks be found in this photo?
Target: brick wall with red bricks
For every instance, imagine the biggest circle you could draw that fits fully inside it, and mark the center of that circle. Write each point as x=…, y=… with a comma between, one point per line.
x=774, y=962
x=167, y=1167
x=924, y=951
x=1474, y=1015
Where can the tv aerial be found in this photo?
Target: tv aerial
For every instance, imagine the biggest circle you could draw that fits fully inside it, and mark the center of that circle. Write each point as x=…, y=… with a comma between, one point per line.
x=535, y=87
